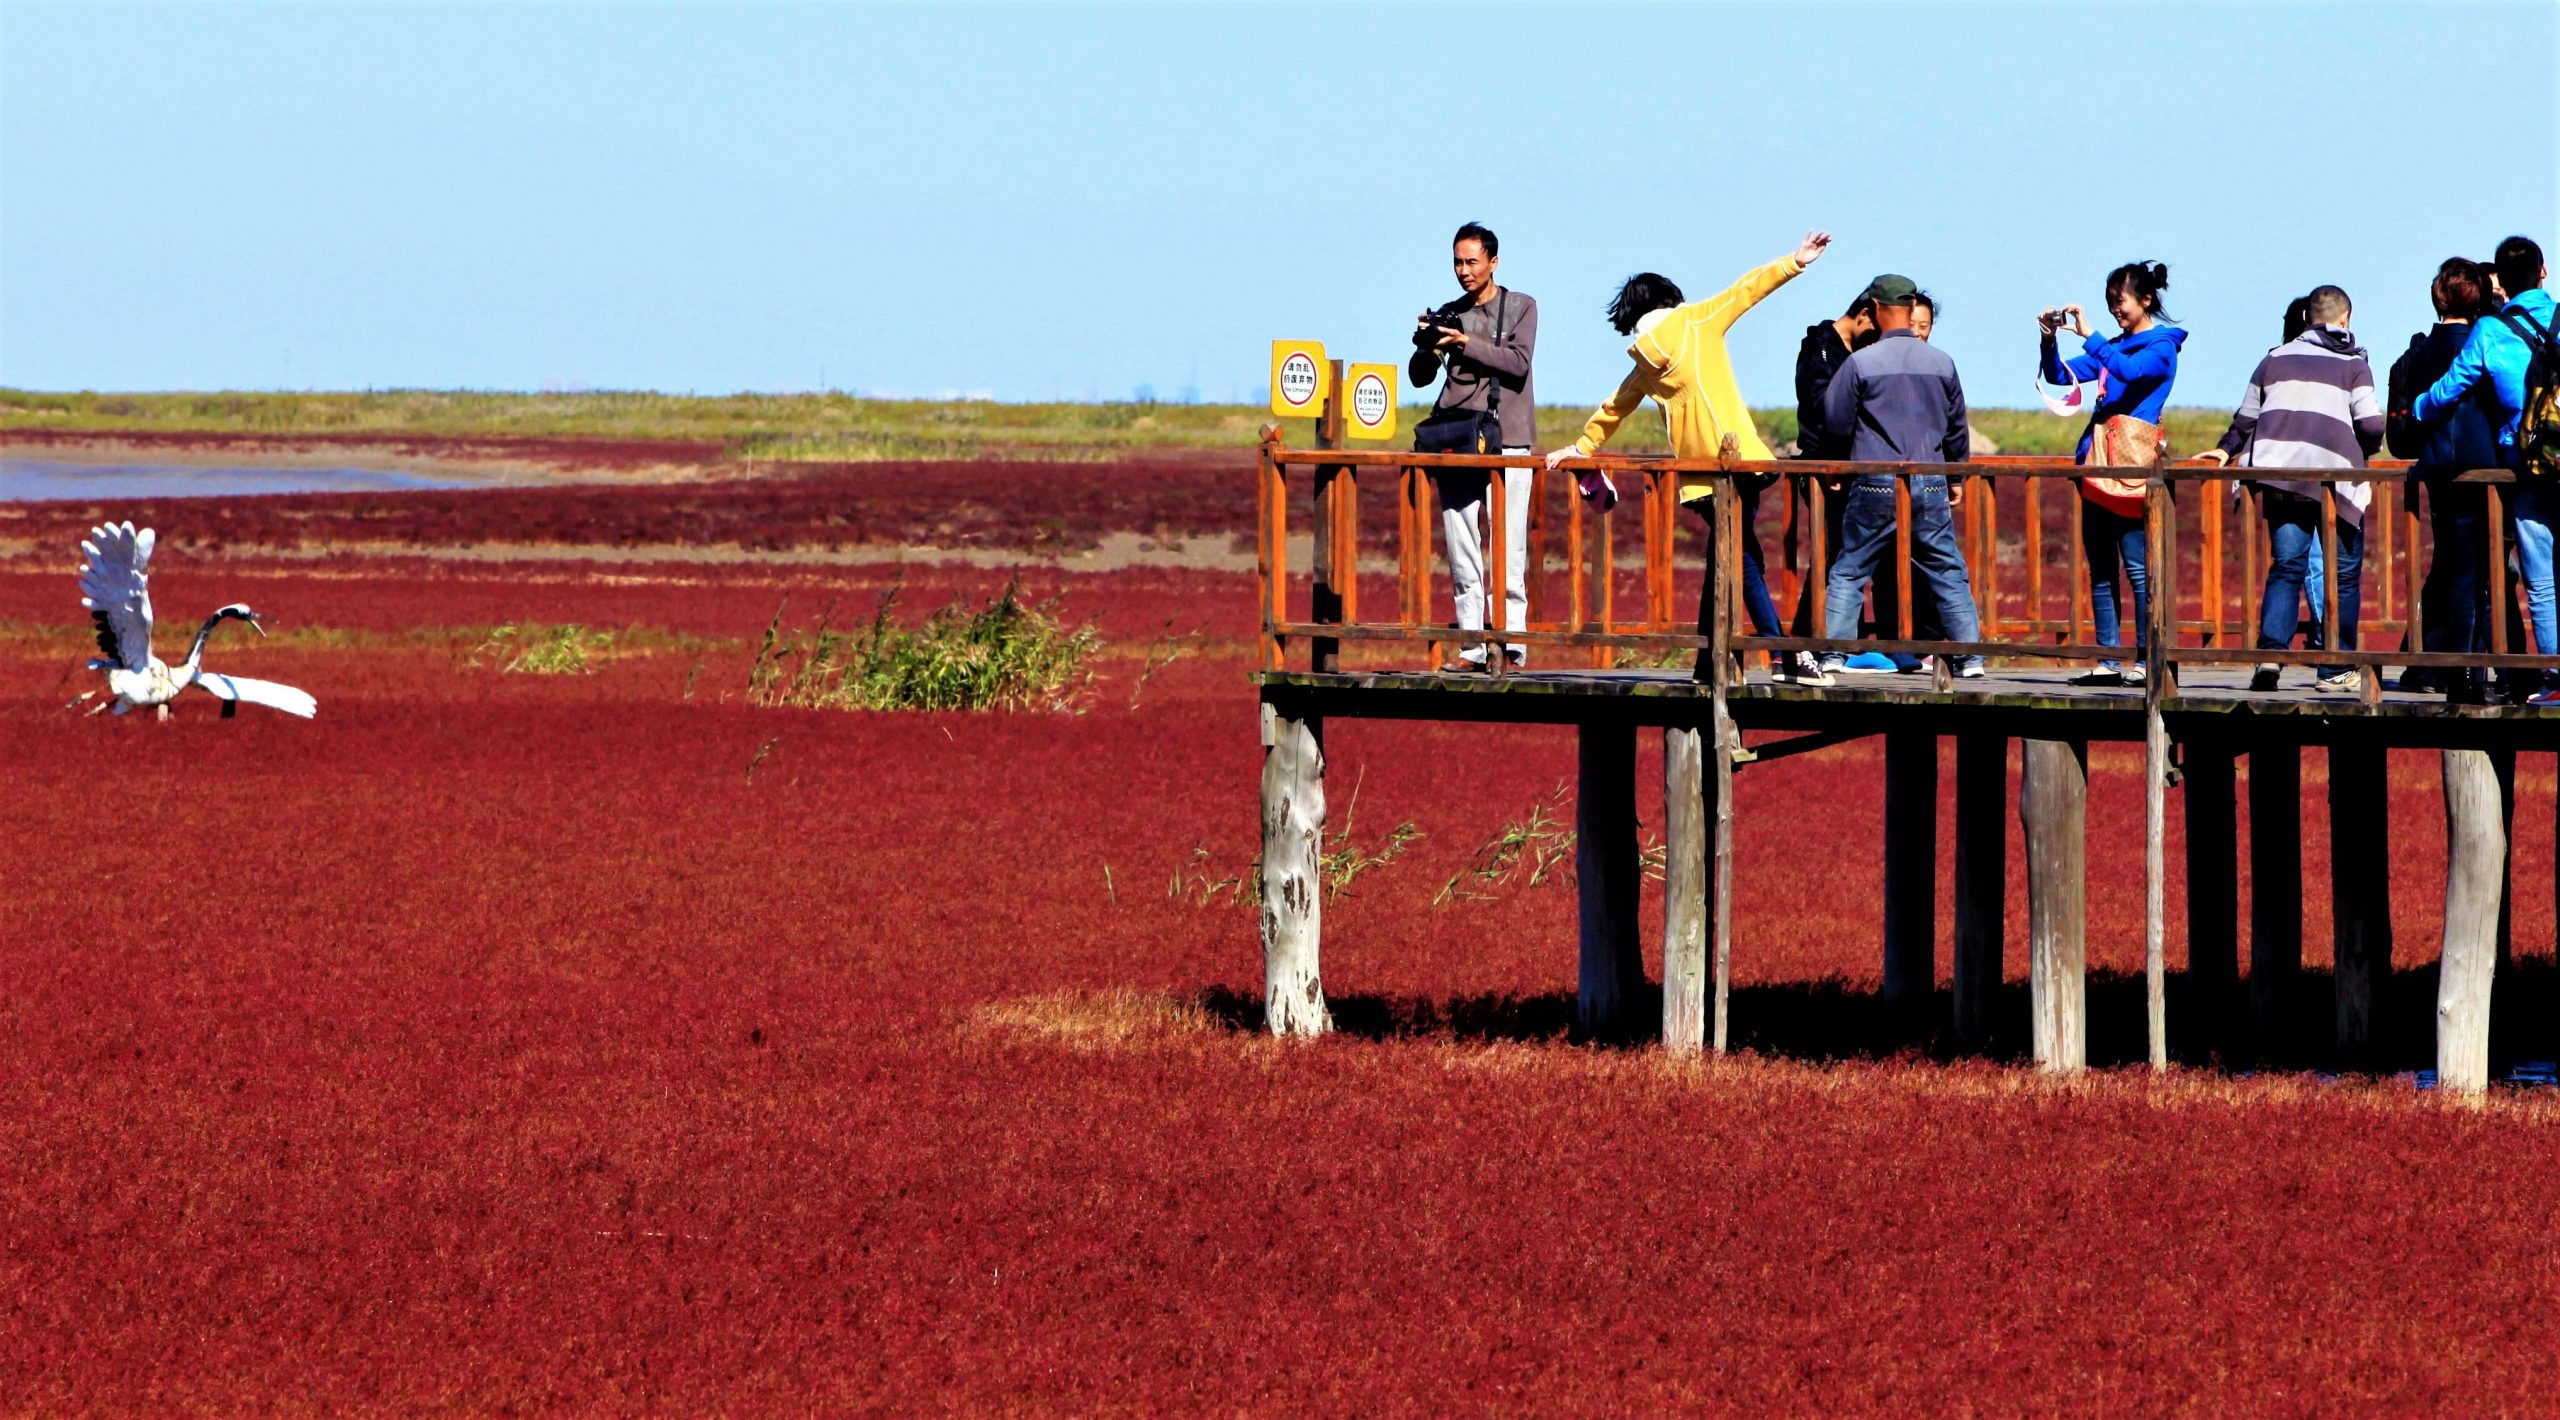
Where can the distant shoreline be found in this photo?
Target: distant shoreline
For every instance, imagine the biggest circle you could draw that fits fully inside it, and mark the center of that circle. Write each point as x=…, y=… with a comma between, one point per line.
x=610, y=435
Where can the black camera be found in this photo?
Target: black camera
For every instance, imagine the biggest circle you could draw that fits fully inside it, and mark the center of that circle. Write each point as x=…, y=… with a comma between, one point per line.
x=1430, y=335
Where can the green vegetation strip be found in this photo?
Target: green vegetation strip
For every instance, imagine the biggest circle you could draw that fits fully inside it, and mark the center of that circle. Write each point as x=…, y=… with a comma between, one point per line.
x=841, y=427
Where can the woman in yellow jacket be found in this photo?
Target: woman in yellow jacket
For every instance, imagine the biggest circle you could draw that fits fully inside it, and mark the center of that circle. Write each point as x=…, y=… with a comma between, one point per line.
x=1680, y=362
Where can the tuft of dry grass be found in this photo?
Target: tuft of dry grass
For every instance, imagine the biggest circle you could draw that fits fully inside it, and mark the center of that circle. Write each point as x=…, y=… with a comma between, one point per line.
x=1114, y=1019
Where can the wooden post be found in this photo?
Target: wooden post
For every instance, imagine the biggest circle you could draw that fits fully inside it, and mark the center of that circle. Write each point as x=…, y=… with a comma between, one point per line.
x=2475, y=877
x=2359, y=891
x=2053, y=805
x=1605, y=862
x=2211, y=790
x=1982, y=873
x=1684, y=891
x=1910, y=868
x=1724, y=525
x=1292, y=873
x=2159, y=683
x=2275, y=889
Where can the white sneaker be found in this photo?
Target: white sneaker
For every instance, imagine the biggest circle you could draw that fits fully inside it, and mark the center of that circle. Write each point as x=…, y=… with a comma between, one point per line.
x=2343, y=683
x=1800, y=668
x=1970, y=668
x=2136, y=675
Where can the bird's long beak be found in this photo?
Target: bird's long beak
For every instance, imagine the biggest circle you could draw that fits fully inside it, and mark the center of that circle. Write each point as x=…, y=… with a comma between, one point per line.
x=257, y=623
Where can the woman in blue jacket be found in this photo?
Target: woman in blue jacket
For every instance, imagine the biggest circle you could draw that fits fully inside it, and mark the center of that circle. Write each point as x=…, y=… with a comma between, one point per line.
x=2134, y=372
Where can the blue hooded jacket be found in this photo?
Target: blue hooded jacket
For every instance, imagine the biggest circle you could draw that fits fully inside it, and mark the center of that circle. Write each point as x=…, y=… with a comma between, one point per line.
x=2139, y=370
x=2495, y=353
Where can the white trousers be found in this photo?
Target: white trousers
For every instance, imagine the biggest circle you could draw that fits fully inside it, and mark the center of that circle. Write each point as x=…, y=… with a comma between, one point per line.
x=1463, y=493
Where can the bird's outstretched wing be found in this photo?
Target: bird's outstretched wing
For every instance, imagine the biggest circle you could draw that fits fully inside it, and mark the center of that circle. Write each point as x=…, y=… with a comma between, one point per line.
x=259, y=692
x=115, y=585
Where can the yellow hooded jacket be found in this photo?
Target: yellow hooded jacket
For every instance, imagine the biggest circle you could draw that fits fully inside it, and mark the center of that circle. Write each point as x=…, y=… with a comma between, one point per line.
x=1681, y=362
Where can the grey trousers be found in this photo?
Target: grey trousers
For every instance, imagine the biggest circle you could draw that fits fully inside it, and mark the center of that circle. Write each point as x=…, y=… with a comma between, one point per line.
x=1463, y=494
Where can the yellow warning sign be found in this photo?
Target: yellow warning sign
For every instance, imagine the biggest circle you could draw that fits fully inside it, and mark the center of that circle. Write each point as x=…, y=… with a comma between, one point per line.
x=1373, y=401
x=1299, y=378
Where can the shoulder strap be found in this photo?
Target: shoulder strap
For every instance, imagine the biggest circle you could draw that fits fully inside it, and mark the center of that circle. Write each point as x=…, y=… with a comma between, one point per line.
x=2535, y=335
x=1501, y=313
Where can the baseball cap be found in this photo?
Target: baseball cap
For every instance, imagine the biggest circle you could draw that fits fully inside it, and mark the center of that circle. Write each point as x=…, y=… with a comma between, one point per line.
x=1892, y=290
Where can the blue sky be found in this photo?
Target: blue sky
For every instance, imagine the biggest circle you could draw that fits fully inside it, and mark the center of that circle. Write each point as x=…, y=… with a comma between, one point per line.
x=1074, y=202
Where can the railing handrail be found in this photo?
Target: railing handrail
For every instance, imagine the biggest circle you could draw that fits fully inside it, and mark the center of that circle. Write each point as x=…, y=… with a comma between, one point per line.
x=2017, y=465
x=1657, y=624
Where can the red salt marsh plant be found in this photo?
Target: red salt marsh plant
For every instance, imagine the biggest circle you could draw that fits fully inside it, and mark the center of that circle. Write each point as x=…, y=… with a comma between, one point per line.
x=502, y=1042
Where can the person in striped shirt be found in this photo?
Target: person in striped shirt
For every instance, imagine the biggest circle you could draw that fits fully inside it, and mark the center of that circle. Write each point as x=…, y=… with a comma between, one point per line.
x=2310, y=406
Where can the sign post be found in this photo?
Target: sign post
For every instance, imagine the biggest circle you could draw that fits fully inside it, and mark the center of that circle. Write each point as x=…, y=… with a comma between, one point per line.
x=1354, y=402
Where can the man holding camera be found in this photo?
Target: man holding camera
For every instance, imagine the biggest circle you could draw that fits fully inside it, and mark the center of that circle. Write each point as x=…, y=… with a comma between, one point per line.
x=1479, y=347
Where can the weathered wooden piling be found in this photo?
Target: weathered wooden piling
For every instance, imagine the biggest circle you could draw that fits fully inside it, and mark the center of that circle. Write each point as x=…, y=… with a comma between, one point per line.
x=2475, y=878
x=1910, y=869
x=1982, y=870
x=2275, y=889
x=1610, y=875
x=2211, y=794
x=2359, y=892
x=2053, y=806
x=1292, y=873
x=1687, y=846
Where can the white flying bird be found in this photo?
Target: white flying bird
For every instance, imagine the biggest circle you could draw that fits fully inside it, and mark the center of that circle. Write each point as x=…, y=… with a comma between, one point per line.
x=115, y=585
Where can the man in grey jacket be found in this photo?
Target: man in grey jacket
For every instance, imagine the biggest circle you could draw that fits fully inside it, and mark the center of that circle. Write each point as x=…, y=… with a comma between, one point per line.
x=1899, y=401
x=1479, y=347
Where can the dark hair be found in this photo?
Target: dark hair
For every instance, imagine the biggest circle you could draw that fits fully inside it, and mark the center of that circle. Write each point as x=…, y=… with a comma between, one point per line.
x=2297, y=318
x=2145, y=279
x=2460, y=290
x=1863, y=305
x=2519, y=265
x=1643, y=294
x=2324, y=304
x=1923, y=298
x=1479, y=232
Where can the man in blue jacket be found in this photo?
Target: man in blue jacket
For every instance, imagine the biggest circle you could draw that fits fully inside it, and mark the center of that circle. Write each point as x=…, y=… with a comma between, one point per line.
x=2499, y=351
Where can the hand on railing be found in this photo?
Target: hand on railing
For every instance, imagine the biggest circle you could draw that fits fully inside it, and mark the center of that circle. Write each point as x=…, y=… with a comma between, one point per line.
x=1591, y=483
x=2213, y=457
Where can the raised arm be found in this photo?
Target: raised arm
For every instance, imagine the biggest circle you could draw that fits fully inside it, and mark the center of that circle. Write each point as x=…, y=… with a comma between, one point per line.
x=1606, y=419
x=2149, y=363
x=2080, y=367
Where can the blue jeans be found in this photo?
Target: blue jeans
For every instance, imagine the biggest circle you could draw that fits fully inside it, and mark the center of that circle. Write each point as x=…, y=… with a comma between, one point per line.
x=2537, y=512
x=2110, y=538
x=2293, y=530
x=1866, y=541
x=1755, y=581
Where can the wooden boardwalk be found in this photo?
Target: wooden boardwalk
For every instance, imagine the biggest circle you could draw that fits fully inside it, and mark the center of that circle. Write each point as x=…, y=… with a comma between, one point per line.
x=2195, y=717
x=2021, y=701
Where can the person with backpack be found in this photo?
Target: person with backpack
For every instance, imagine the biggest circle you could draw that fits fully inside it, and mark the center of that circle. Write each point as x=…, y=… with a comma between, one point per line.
x=2134, y=371
x=2516, y=353
x=1484, y=340
x=2310, y=408
x=2454, y=603
x=1682, y=365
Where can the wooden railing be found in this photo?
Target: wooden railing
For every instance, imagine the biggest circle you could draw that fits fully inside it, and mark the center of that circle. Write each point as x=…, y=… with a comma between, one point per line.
x=1581, y=600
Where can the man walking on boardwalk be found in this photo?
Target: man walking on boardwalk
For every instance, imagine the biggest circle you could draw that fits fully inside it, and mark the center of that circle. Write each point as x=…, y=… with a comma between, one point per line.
x=1899, y=401
x=1484, y=341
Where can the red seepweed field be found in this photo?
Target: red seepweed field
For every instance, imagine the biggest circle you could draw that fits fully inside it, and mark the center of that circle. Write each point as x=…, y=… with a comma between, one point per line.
x=605, y=1041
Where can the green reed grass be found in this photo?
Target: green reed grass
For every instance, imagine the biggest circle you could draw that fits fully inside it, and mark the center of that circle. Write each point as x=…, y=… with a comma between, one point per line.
x=1005, y=655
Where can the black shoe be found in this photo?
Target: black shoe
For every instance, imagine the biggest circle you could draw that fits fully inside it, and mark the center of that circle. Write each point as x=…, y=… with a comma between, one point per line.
x=2465, y=690
x=2421, y=680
